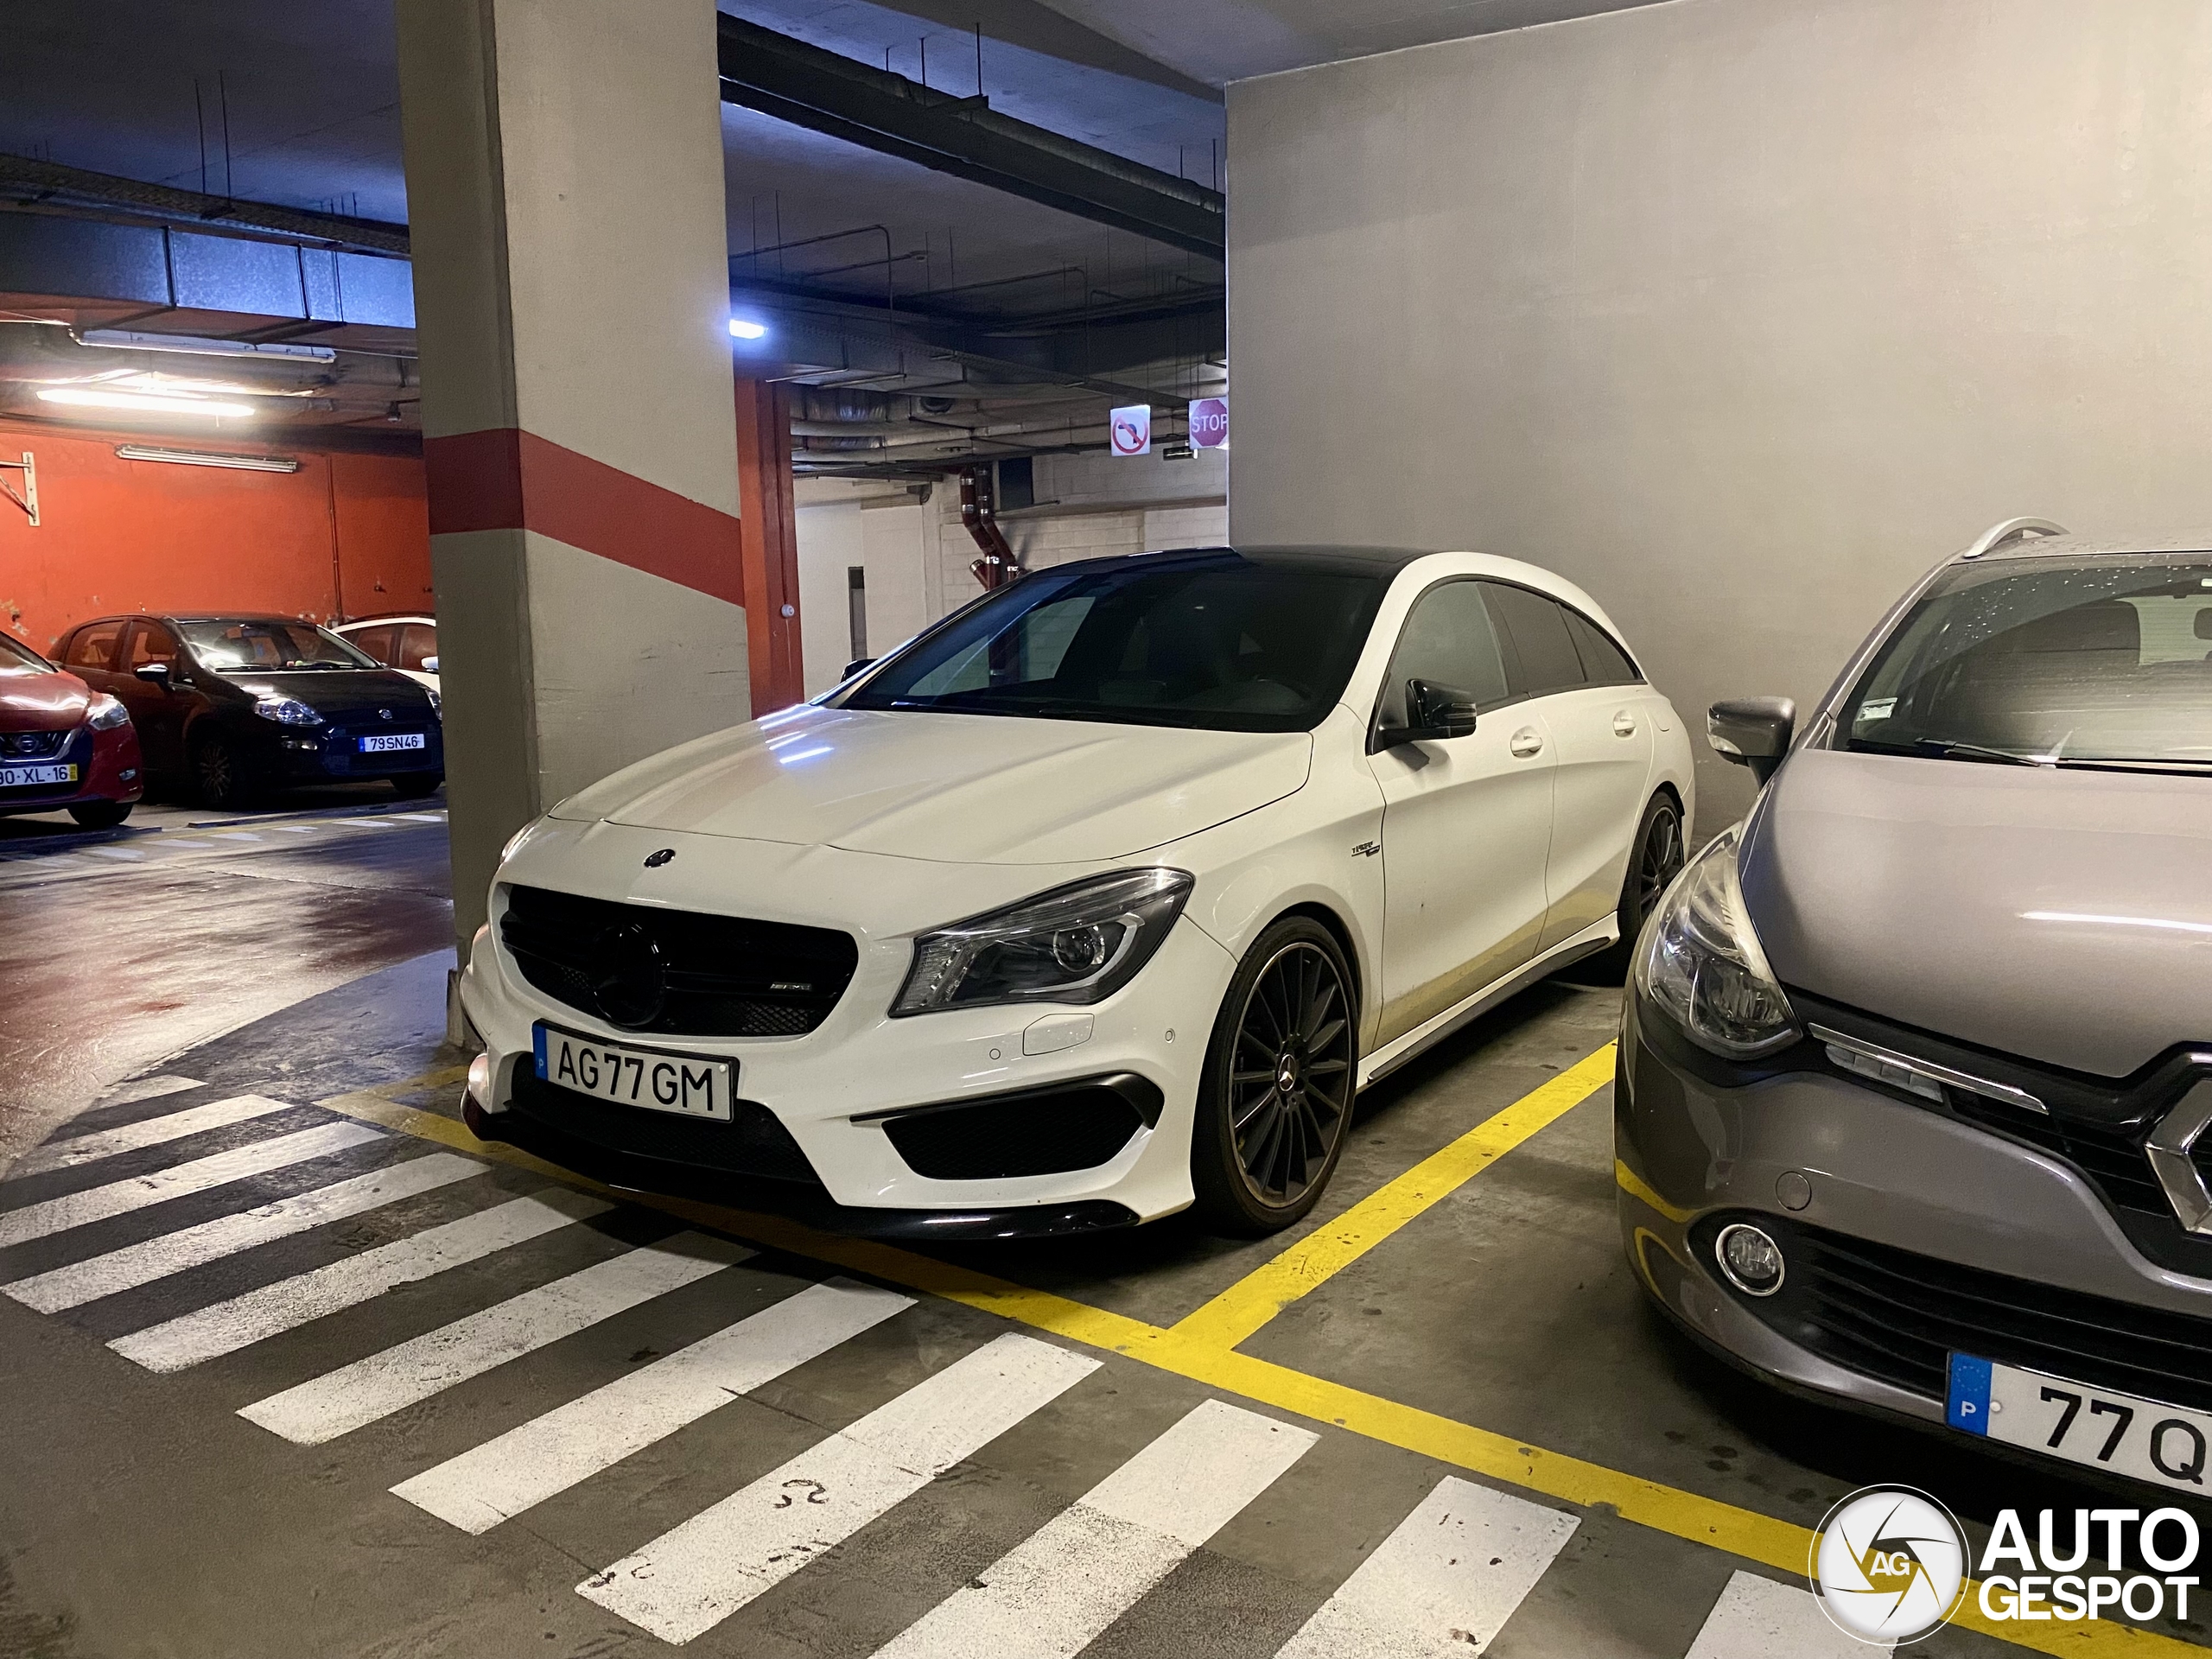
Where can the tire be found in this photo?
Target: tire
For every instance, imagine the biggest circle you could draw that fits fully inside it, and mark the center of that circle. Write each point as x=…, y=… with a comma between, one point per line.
x=415, y=784
x=1655, y=859
x=1262, y=1152
x=220, y=776
x=100, y=815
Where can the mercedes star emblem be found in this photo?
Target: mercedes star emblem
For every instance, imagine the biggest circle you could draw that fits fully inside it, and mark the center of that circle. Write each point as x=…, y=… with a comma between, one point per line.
x=654, y=860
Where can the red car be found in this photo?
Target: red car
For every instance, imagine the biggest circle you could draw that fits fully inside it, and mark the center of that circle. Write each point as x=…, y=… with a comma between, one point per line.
x=63, y=744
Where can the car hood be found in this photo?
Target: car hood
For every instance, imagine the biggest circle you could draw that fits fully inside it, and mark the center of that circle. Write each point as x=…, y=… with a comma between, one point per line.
x=33, y=700
x=2064, y=916
x=342, y=695
x=953, y=788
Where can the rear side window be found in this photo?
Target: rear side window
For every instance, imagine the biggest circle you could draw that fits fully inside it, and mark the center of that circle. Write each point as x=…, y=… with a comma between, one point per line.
x=149, y=643
x=1449, y=641
x=94, y=646
x=1543, y=655
x=419, y=642
x=376, y=641
x=1604, y=663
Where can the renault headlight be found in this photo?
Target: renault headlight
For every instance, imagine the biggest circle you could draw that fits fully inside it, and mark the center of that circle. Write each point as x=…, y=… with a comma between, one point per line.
x=286, y=711
x=437, y=703
x=1699, y=963
x=107, y=714
x=1077, y=943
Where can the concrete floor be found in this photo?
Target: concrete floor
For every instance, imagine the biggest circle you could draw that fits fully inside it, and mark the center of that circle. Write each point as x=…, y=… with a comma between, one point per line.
x=140, y=1513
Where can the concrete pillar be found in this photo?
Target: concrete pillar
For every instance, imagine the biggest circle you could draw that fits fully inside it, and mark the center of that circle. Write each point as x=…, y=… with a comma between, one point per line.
x=764, y=486
x=564, y=184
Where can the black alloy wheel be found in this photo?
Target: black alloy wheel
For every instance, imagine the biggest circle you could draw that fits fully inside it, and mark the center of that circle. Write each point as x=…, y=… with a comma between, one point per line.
x=1653, y=863
x=414, y=786
x=100, y=815
x=1277, y=1096
x=221, y=775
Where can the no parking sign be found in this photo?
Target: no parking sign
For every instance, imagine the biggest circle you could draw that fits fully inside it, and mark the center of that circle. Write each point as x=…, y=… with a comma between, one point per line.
x=1132, y=429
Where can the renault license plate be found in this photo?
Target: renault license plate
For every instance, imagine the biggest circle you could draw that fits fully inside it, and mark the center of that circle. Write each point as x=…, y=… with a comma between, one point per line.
x=2146, y=1440
x=689, y=1085
x=385, y=742
x=22, y=777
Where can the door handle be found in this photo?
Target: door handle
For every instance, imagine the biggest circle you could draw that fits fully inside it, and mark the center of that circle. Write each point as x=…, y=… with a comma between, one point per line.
x=1526, y=742
x=1624, y=724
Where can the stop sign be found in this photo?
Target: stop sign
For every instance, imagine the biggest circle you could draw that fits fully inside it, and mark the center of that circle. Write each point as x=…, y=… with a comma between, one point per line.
x=1209, y=422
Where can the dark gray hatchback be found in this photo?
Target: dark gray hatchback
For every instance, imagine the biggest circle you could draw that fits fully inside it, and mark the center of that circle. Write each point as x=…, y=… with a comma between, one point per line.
x=1916, y=1062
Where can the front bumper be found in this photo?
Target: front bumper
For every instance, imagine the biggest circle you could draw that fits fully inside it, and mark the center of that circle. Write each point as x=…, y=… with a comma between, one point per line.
x=831, y=1088
x=108, y=769
x=1950, y=1235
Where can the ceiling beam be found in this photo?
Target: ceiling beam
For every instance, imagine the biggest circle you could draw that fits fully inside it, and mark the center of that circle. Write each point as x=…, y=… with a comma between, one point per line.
x=964, y=136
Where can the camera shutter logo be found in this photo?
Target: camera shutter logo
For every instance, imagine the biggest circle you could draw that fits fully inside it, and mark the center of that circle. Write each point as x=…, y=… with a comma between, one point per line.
x=1889, y=1564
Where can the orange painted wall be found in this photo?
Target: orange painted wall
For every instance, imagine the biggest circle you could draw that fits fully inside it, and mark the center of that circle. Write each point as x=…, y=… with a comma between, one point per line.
x=347, y=535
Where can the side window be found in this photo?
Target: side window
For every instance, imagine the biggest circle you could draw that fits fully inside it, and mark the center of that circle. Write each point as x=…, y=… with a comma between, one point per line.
x=94, y=647
x=420, y=640
x=149, y=643
x=1604, y=663
x=1544, y=658
x=1448, y=640
x=376, y=641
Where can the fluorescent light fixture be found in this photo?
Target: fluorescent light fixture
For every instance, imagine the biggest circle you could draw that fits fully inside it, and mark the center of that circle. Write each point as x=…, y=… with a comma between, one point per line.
x=131, y=339
x=143, y=401
x=203, y=458
x=746, y=328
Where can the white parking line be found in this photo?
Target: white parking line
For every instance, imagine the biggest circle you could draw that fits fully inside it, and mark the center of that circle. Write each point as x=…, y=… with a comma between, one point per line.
x=226, y=1326
x=130, y=853
x=1055, y=1592
x=527, y=1465
x=1757, y=1618
x=236, y=835
x=422, y=817
x=1450, y=1575
x=147, y=1132
x=119, y=1197
x=189, y=1247
x=340, y=1401
x=167, y=843
x=688, y=1579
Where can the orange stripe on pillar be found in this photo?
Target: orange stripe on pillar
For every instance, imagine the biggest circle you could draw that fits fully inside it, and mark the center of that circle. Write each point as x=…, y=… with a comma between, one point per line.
x=506, y=479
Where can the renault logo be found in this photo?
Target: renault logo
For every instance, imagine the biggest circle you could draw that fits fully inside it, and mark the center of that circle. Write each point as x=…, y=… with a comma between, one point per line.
x=2169, y=1149
x=654, y=860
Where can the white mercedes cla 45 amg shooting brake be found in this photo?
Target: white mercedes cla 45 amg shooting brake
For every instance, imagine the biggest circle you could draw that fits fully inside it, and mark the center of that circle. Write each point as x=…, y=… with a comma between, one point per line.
x=1099, y=899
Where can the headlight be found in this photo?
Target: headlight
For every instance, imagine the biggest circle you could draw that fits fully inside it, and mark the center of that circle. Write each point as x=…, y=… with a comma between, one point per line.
x=106, y=713
x=286, y=711
x=437, y=703
x=1700, y=962
x=1077, y=943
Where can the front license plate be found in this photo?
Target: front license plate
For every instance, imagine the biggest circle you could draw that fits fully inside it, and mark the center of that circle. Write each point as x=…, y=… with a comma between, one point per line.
x=2146, y=1440
x=690, y=1085
x=385, y=742
x=19, y=776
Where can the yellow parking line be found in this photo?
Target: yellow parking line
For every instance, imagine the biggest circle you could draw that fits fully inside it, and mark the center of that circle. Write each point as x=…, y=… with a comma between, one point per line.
x=1781, y=1545
x=1250, y=1303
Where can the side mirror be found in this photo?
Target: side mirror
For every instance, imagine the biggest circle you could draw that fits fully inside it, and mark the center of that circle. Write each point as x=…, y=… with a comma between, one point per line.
x=1752, y=732
x=429, y=664
x=855, y=665
x=154, y=674
x=1434, y=713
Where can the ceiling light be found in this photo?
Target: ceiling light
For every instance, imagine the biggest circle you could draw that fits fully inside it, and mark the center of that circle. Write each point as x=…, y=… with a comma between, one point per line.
x=129, y=339
x=203, y=458
x=140, y=400
x=746, y=328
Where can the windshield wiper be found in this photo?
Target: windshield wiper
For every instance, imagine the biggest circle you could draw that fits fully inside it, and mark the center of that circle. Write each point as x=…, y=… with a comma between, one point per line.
x=1944, y=748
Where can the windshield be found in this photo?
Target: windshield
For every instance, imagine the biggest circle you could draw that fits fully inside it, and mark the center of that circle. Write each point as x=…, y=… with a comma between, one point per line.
x=1215, y=640
x=14, y=654
x=261, y=647
x=2105, y=662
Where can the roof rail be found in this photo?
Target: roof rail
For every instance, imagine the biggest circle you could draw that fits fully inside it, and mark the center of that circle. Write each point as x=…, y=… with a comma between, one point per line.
x=2011, y=529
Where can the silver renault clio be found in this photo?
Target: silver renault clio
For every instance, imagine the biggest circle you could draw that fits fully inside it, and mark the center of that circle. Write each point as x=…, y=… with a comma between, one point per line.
x=1916, y=1062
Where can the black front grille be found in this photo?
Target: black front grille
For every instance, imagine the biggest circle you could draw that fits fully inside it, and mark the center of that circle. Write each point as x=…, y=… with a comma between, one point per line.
x=679, y=972
x=754, y=1141
x=31, y=745
x=1048, y=1131
x=1898, y=1316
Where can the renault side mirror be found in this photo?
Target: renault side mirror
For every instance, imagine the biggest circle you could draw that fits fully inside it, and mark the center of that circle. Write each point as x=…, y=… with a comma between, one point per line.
x=1434, y=713
x=1752, y=732
x=429, y=664
x=154, y=674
